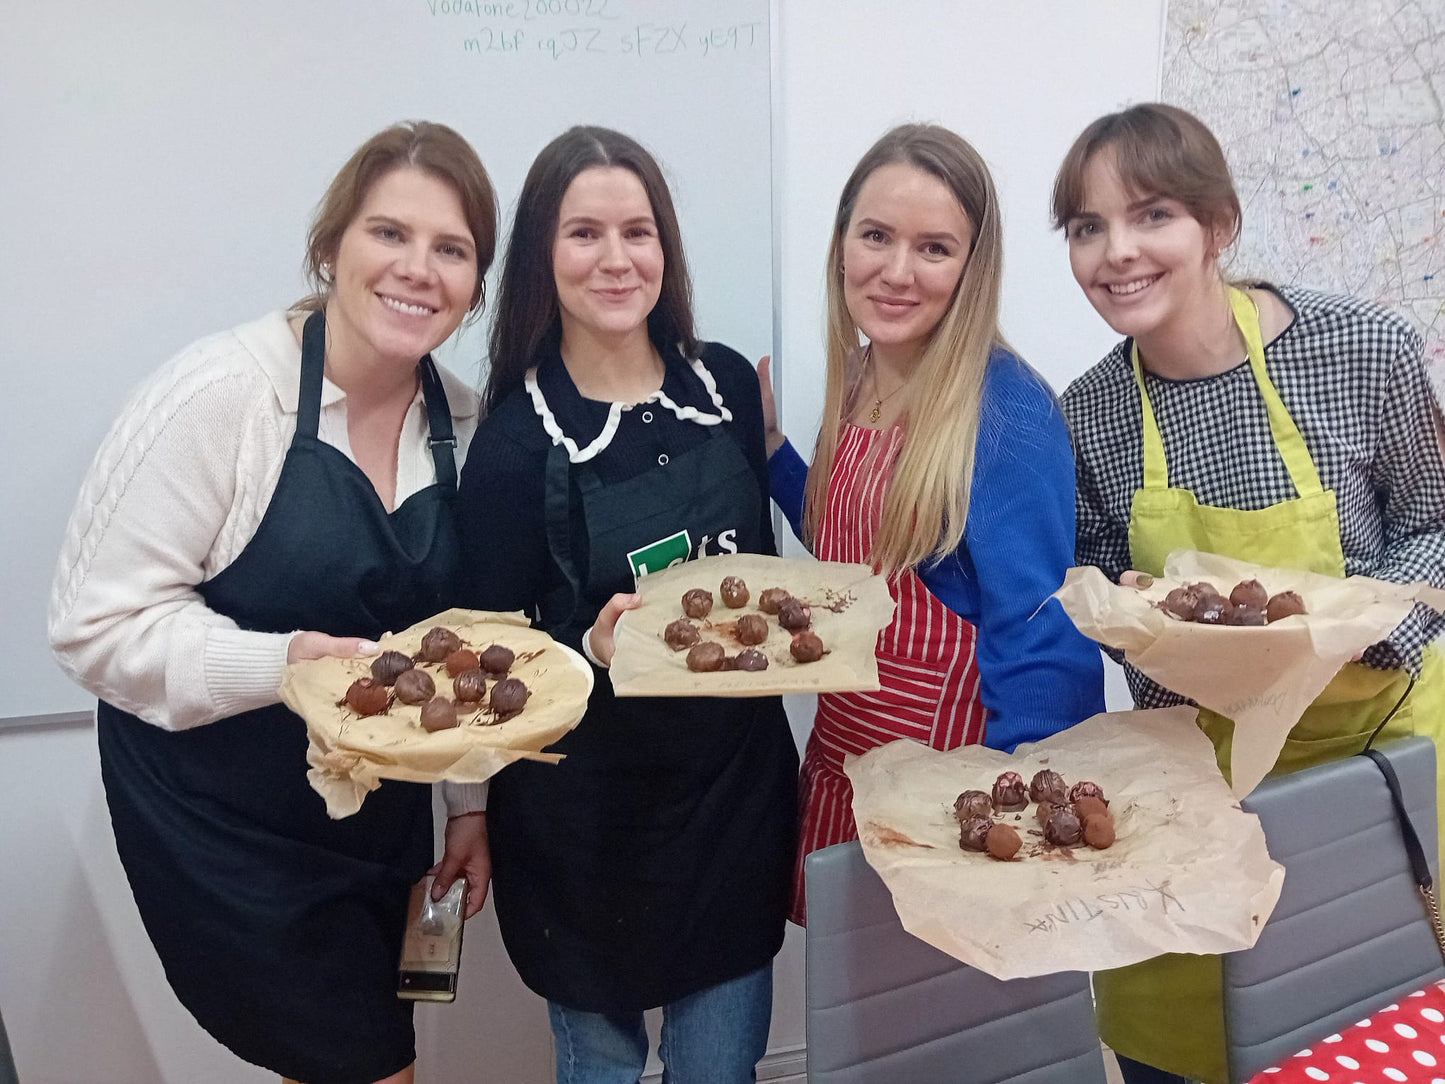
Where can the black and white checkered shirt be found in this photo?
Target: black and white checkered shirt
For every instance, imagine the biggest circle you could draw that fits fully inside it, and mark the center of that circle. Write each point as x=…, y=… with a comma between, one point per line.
x=1351, y=375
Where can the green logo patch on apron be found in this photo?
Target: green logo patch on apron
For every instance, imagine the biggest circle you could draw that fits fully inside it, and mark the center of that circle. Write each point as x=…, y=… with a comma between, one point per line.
x=664, y=553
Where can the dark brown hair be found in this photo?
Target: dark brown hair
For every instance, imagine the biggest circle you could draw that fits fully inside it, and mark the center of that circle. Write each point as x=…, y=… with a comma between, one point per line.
x=1158, y=150
x=435, y=150
x=527, y=309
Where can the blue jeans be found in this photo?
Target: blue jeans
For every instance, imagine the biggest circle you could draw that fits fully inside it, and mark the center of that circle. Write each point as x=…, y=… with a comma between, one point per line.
x=715, y=1036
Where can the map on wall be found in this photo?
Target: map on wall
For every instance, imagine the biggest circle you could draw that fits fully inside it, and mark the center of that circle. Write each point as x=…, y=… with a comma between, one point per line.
x=1330, y=112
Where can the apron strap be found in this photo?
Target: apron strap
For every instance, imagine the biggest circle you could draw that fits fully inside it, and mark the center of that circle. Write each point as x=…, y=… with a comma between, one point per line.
x=557, y=505
x=1287, y=439
x=442, y=440
x=313, y=368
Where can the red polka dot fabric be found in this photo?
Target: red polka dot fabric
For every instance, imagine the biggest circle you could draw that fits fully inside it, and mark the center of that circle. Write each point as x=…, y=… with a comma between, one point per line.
x=1404, y=1041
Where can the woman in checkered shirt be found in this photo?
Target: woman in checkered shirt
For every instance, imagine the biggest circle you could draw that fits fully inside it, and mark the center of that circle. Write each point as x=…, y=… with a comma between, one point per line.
x=1292, y=429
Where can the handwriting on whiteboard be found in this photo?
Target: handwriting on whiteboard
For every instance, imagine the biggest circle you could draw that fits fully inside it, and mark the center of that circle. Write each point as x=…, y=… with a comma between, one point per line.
x=560, y=29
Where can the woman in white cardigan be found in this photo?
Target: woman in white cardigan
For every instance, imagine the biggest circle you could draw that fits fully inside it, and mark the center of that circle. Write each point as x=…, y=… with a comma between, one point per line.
x=282, y=491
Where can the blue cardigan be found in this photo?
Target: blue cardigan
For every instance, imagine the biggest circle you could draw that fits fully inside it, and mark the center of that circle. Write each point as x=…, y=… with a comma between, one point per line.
x=1039, y=674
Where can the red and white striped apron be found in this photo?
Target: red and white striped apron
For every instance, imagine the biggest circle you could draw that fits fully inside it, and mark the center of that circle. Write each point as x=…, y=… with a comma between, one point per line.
x=926, y=659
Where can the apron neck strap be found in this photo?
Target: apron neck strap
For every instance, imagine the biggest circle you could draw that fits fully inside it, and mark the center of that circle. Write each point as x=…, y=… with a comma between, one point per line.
x=1287, y=439
x=442, y=440
x=313, y=368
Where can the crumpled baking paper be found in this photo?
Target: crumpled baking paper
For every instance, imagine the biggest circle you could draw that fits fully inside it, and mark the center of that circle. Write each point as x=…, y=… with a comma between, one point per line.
x=850, y=604
x=1189, y=871
x=350, y=755
x=1262, y=678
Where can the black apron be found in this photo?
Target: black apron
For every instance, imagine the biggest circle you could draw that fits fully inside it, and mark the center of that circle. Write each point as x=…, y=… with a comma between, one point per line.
x=279, y=928
x=654, y=860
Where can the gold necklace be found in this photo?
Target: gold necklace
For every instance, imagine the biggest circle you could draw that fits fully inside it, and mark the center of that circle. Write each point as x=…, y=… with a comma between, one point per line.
x=879, y=400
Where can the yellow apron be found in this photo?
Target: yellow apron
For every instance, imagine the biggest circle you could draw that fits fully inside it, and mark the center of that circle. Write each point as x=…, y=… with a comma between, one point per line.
x=1169, y=1011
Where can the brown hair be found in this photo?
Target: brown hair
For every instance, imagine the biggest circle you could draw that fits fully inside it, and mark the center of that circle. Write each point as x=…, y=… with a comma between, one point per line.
x=926, y=505
x=1158, y=150
x=527, y=308
x=435, y=150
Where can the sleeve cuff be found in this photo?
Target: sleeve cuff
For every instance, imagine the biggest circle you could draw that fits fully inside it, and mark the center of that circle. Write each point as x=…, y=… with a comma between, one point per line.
x=463, y=798
x=587, y=650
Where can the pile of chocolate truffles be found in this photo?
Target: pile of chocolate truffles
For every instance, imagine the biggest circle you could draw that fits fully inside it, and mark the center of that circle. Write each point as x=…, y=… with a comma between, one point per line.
x=706, y=657
x=397, y=676
x=1067, y=816
x=1248, y=604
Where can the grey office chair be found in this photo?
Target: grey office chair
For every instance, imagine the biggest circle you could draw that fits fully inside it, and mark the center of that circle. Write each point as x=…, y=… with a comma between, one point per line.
x=1350, y=933
x=885, y=1008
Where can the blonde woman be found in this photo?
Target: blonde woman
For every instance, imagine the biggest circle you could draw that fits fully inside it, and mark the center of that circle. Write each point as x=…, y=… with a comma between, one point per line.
x=943, y=461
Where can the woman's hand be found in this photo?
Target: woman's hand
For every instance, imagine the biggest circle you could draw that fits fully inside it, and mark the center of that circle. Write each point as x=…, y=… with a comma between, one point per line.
x=601, y=638
x=317, y=645
x=772, y=436
x=467, y=854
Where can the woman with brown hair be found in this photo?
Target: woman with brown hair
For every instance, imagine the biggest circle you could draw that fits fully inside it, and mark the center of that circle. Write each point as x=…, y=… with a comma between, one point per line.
x=943, y=461
x=650, y=867
x=1268, y=423
x=296, y=472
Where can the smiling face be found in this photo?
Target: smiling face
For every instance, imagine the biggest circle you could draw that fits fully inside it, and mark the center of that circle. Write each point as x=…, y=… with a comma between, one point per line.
x=606, y=258
x=905, y=249
x=405, y=272
x=1143, y=261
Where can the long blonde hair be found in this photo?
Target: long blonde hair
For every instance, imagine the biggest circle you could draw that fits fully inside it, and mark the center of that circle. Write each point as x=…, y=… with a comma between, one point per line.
x=926, y=505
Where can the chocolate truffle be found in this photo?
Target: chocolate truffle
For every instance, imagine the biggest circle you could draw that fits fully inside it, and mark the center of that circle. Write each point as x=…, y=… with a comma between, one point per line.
x=1063, y=828
x=750, y=658
x=1002, y=842
x=1180, y=603
x=1284, y=604
x=772, y=599
x=415, y=687
x=1087, y=807
x=462, y=659
x=706, y=658
x=795, y=615
x=680, y=634
x=1087, y=789
x=697, y=603
x=734, y=592
x=1099, y=831
x=1249, y=593
x=1047, y=786
x=437, y=644
x=807, y=646
x=497, y=660
x=1241, y=614
x=972, y=803
x=438, y=714
x=1211, y=611
x=469, y=686
x=973, y=833
x=1009, y=793
x=509, y=696
x=390, y=665
x=367, y=696
x=752, y=629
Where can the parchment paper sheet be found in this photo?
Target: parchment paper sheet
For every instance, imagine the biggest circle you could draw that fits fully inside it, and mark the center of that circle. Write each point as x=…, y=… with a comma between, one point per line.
x=1189, y=871
x=350, y=755
x=850, y=606
x=1262, y=678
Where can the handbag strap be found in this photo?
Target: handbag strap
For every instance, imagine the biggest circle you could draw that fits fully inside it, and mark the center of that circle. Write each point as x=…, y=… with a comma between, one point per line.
x=1419, y=864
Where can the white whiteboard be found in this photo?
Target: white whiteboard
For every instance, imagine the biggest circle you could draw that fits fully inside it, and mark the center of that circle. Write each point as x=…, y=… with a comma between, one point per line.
x=162, y=158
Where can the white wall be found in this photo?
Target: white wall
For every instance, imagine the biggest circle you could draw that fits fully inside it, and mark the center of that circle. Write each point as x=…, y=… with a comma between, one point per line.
x=83, y=996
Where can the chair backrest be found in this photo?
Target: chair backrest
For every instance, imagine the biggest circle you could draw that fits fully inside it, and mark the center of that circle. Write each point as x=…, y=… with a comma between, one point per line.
x=885, y=1008
x=7, y=1062
x=1350, y=932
